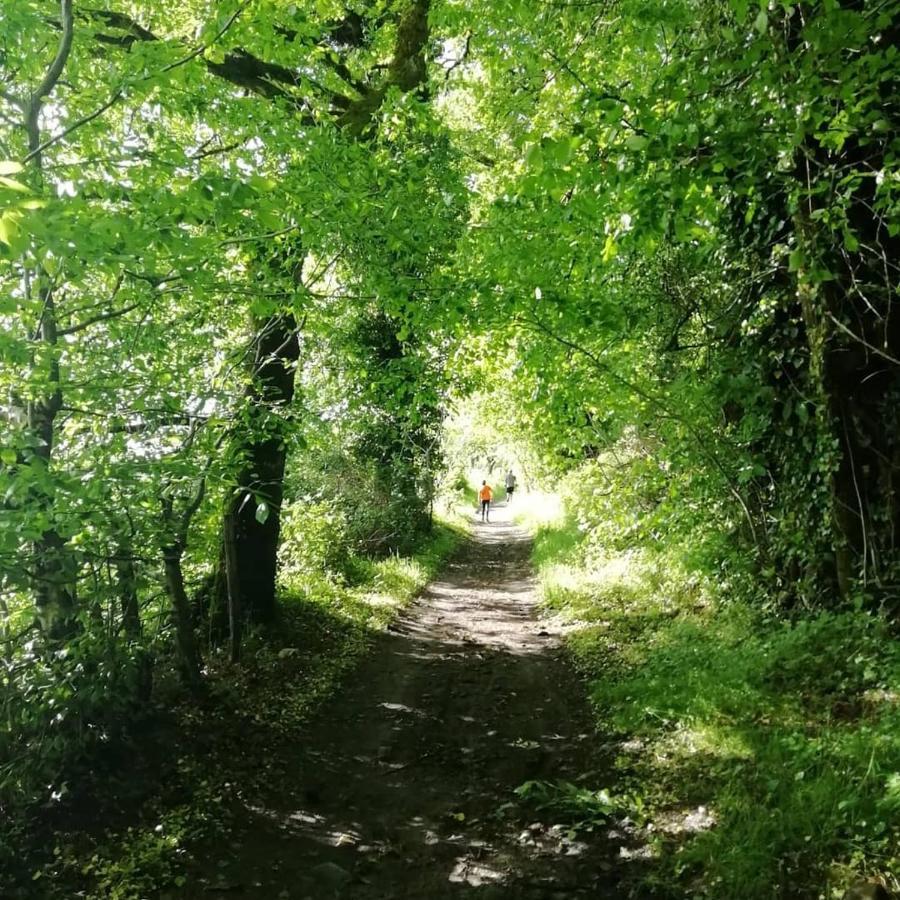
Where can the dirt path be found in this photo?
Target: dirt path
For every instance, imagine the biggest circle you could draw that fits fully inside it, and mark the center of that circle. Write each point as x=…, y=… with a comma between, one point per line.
x=405, y=785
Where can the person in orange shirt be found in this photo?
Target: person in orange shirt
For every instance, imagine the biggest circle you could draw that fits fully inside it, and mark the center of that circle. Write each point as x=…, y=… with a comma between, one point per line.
x=485, y=495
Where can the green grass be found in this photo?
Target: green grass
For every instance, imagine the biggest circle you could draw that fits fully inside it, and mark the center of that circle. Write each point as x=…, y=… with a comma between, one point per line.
x=787, y=732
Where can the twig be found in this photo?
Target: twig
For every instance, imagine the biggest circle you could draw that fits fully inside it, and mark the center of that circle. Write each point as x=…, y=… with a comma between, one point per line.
x=204, y=47
x=84, y=120
x=100, y=317
x=259, y=237
x=865, y=343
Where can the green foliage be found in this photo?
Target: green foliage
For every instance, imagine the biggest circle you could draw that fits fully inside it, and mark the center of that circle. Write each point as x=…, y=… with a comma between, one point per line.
x=664, y=237
x=315, y=539
x=59, y=708
x=131, y=865
x=580, y=808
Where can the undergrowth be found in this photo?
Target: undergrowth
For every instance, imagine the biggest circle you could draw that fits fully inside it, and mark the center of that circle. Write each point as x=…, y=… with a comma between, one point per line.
x=761, y=751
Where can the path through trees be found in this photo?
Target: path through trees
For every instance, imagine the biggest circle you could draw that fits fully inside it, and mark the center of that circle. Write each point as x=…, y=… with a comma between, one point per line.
x=404, y=785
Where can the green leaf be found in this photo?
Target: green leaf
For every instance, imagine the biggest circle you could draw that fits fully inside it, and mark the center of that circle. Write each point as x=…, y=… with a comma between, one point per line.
x=13, y=185
x=636, y=142
x=9, y=229
x=610, y=248
x=215, y=54
x=740, y=9
x=262, y=512
x=534, y=158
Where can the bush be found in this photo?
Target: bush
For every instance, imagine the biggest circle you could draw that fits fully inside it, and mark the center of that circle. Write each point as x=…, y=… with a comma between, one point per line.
x=58, y=707
x=315, y=539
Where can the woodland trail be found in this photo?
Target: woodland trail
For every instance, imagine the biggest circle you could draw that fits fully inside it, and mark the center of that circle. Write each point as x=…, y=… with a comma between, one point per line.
x=404, y=786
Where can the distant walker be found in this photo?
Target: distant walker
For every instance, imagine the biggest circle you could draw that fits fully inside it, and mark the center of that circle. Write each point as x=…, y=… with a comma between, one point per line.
x=510, y=485
x=485, y=495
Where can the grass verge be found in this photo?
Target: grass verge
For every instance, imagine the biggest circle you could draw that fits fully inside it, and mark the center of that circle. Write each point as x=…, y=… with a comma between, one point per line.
x=760, y=756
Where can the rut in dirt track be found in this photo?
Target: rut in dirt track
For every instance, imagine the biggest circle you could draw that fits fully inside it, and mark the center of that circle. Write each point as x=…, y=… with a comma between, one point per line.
x=404, y=786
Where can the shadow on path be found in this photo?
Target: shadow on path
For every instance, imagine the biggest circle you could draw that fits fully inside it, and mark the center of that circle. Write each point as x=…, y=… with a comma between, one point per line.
x=404, y=786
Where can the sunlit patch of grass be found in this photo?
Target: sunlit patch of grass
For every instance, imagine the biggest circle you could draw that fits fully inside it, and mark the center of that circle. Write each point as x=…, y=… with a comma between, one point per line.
x=710, y=739
x=539, y=511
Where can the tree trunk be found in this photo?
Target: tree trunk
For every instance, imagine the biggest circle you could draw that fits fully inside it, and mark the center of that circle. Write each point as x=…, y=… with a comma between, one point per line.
x=250, y=529
x=55, y=570
x=853, y=335
x=854, y=342
x=233, y=582
x=127, y=590
x=126, y=583
x=188, y=654
x=54, y=566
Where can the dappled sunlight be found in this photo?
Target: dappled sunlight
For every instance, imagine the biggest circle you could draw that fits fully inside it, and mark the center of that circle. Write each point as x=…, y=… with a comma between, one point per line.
x=749, y=741
x=281, y=280
x=682, y=822
x=374, y=598
x=471, y=872
x=623, y=568
x=475, y=852
x=710, y=739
